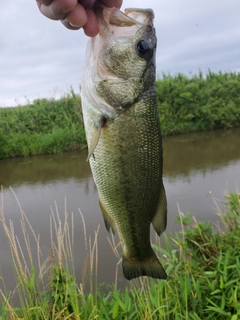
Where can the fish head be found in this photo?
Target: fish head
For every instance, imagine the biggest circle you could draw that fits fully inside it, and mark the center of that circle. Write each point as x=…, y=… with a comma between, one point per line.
x=120, y=65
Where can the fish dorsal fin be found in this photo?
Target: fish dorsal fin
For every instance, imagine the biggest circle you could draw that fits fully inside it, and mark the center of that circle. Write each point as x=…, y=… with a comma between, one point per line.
x=96, y=135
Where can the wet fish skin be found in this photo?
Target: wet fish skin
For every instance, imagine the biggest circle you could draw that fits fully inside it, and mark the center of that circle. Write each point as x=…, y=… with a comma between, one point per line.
x=122, y=126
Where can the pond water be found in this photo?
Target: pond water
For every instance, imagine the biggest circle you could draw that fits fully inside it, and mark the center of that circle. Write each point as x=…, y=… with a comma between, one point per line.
x=197, y=167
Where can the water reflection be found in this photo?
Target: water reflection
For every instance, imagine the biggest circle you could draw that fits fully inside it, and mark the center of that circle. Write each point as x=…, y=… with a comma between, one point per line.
x=44, y=169
x=183, y=154
x=202, y=151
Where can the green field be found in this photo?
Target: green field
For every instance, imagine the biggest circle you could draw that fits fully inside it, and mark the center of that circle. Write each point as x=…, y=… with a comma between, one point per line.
x=186, y=104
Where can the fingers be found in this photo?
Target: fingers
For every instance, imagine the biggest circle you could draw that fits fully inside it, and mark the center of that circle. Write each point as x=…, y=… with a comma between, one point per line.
x=58, y=9
x=88, y=4
x=45, y=2
x=76, y=18
x=75, y=14
x=91, y=27
x=112, y=3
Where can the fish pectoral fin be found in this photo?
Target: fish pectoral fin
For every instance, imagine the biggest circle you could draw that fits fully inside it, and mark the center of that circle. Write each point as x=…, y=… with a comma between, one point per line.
x=160, y=219
x=96, y=135
x=109, y=222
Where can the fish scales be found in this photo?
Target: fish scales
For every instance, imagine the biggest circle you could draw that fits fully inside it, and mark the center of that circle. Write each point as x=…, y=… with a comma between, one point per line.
x=125, y=147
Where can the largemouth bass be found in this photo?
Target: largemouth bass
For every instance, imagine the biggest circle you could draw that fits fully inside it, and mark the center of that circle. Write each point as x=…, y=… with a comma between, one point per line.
x=121, y=119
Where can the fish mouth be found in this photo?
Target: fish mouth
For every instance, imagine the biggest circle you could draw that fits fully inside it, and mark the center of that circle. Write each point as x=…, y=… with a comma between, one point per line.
x=143, y=16
x=110, y=20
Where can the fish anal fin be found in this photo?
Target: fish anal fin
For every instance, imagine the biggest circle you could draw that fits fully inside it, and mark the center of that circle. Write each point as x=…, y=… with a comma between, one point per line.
x=96, y=135
x=109, y=222
x=159, y=221
x=150, y=267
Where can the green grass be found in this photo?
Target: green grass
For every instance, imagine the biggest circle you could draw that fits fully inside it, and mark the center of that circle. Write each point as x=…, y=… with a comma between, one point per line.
x=198, y=103
x=186, y=104
x=43, y=127
x=202, y=262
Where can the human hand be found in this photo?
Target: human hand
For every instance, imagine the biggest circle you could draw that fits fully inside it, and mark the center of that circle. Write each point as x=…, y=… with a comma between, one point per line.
x=75, y=14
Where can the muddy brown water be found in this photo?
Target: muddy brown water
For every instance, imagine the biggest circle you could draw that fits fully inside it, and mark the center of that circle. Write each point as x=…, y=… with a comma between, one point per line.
x=197, y=167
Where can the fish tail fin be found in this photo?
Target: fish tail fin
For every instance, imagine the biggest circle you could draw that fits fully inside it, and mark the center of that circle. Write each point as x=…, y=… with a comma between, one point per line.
x=150, y=267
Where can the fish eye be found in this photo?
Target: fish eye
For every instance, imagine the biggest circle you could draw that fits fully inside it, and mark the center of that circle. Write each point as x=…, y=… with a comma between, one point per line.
x=144, y=49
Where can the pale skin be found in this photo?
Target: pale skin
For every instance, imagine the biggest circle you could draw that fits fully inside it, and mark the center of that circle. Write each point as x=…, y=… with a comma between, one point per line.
x=75, y=14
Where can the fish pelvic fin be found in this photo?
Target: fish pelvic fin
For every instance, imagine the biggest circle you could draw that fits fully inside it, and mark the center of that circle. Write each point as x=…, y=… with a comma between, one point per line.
x=150, y=267
x=109, y=222
x=159, y=221
x=96, y=135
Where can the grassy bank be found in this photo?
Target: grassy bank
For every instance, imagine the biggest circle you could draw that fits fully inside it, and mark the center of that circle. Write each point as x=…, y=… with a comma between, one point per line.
x=199, y=103
x=186, y=104
x=46, y=126
x=202, y=263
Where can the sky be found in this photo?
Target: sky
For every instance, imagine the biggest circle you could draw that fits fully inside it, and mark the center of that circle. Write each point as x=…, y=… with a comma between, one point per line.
x=40, y=58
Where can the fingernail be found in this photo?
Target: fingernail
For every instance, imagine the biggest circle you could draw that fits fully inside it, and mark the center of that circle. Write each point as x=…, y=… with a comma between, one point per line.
x=74, y=26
